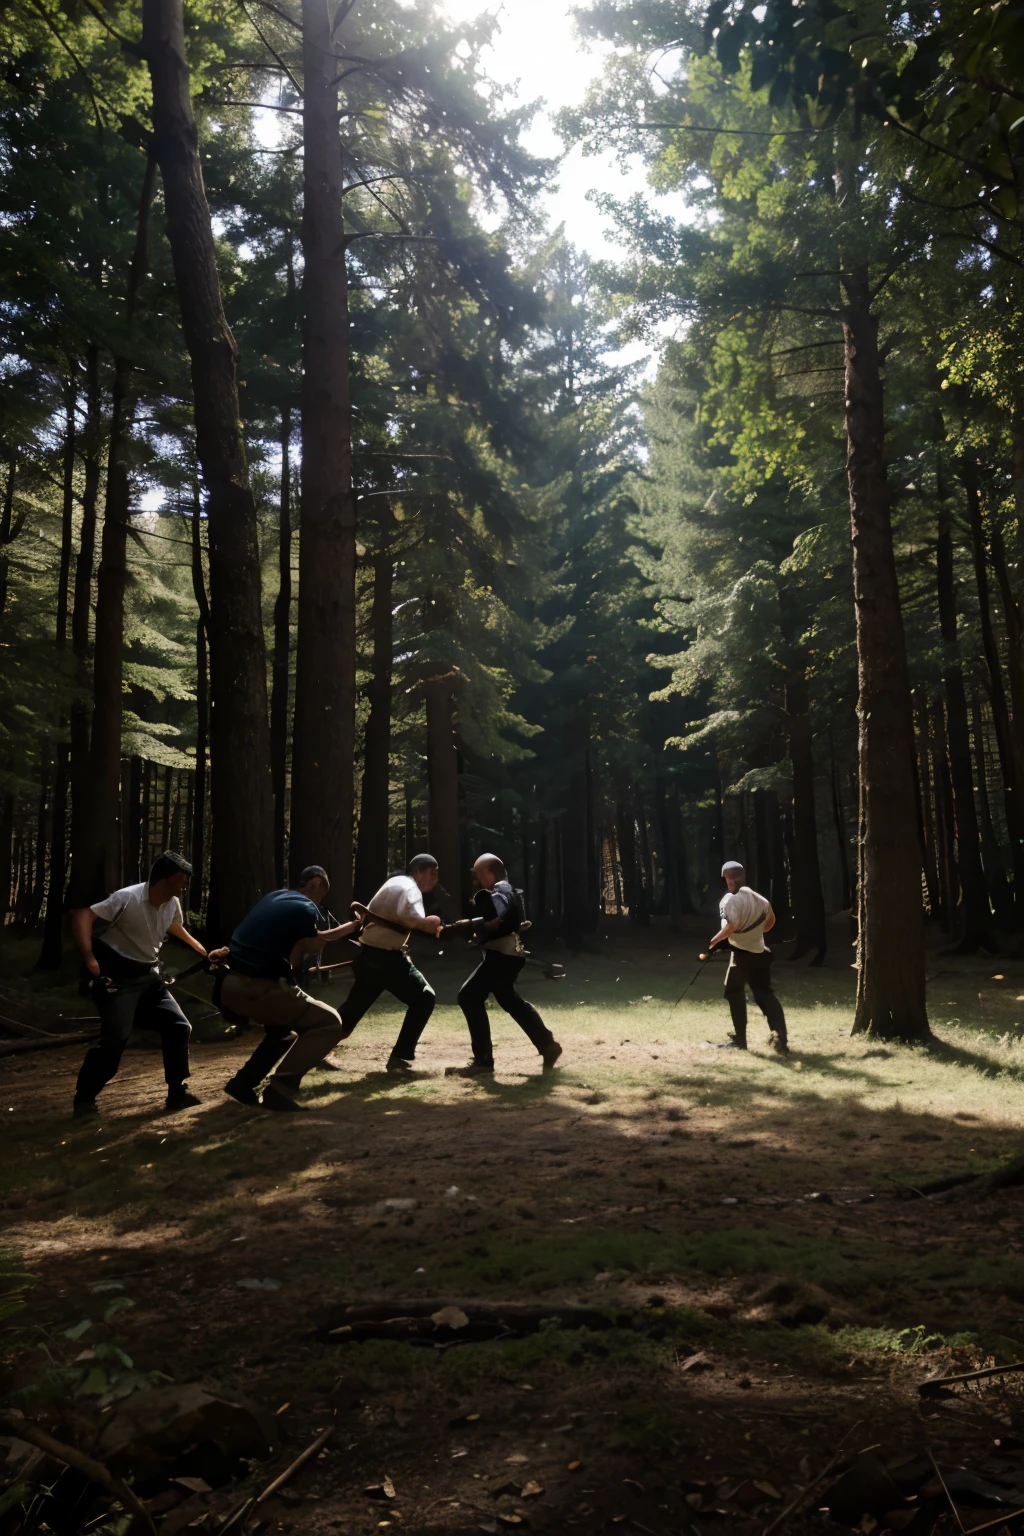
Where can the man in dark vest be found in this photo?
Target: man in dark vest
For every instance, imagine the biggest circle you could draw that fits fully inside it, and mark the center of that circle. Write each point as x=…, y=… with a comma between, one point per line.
x=495, y=928
x=746, y=918
x=120, y=939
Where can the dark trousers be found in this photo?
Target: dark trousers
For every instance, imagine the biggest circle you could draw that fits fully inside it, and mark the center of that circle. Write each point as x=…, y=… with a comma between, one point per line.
x=496, y=976
x=753, y=971
x=389, y=970
x=144, y=1002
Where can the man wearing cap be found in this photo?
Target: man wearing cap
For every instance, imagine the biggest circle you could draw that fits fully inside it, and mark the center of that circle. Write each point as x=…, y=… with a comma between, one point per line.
x=746, y=918
x=260, y=986
x=384, y=965
x=121, y=955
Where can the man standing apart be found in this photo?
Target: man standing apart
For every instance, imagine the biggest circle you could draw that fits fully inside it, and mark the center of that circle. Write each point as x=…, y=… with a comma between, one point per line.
x=300, y=1030
x=383, y=963
x=746, y=918
x=496, y=929
x=126, y=984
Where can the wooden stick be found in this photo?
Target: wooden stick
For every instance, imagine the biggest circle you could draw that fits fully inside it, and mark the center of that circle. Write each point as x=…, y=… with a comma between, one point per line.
x=300, y=1461
x=949, y=1496
x=791, y=1508
x=16, y=1424
x=947, y=1381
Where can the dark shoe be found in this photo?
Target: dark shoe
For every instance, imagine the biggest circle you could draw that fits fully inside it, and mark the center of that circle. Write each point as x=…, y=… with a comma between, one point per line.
x=550, y=1054
x=276, y=1098
x=84, y=1109
x=734, y=1043
x=398, y=1067
x=472, y=1068
x=778, y=1045
x=180, y=1098
x=242, y=1093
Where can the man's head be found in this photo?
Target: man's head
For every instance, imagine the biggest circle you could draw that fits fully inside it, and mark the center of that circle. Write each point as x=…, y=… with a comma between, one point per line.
x=313, y=882
x=423, y=869
x=733, y=874
x=488, y=870
x=170, y=872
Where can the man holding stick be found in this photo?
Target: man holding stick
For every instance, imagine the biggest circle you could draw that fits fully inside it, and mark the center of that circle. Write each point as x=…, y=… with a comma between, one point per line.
x=300, y=1030
x=122, y=959
x=383, y=963
x=746, y=918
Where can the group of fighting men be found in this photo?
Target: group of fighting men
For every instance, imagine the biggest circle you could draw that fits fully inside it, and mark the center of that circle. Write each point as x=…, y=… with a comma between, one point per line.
x=120, y=939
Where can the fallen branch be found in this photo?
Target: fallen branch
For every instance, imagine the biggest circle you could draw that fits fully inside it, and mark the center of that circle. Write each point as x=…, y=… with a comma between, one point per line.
x=52, y=1042
x=955, y=1186
x=300, y=1461
x=412, y=1321
x=936, y=1383
x=16, y=1424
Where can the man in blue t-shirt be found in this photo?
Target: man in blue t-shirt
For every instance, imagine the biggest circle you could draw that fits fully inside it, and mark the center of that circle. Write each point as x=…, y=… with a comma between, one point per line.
x=300, y=1030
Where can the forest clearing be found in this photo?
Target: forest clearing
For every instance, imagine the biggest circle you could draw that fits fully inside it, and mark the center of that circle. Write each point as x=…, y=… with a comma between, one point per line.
x=496, y=503
x=743, y=1208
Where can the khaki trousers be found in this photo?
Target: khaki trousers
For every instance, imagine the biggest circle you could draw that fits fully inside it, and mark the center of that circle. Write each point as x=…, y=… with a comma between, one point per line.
x=301, y=1030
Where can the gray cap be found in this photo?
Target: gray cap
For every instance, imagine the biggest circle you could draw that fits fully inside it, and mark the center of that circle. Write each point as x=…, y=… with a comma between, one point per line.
x=727, y=869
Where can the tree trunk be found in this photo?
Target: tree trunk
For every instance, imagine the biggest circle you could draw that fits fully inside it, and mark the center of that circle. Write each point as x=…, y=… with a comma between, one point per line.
x=7, y=531
x=282, y=653
x=890, y=980
x=839, y=822
x=375, y=800
x=67, y=521
x=6, y=855
x=325, y=679
x=571, y=919
x=976, y=913
x=997, y=693
x=1014, y=622
x=995, y=871
x=197, y=886
x=37, y=869
x=443, y=784
x=808, y=896
x=927, y=818
x=50, y=953
x=242, y=859
x=949, y=872
x=81, y=612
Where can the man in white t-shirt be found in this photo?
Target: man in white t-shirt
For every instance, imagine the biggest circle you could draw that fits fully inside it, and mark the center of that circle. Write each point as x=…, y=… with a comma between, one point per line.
x=383, y=963
x=746, y=918
x=126, y=984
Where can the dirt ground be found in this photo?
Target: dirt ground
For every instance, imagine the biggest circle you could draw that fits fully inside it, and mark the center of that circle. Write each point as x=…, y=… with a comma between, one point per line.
x=745, y=1210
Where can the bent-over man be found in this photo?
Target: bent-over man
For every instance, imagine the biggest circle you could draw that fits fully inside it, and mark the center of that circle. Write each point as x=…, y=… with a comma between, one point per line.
x=122, y=959
x=746, y=918
x=495, y=928
x=300, y=1030
x=384, y=965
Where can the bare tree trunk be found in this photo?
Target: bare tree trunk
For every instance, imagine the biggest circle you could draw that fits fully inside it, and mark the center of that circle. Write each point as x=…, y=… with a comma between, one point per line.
x=325, y=678
x=242, y=860
x=81, y=711
x=1008, y=760
x=839, y=822
x=8, y=531
x=976, y=911
x=197, y=888
x=890, y=979
x=949, y=872
x=375, y=799
x=67, y=521
x=808, y=896
x=282, y=653
x=443, y=784
x=995, y=872
x=6, y=855
x=1014, y=622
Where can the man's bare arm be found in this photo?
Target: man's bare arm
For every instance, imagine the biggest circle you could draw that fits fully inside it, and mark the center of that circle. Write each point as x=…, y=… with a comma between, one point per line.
x=769, y=922
x=723, y=933
x=181, y=933
x=82, y=919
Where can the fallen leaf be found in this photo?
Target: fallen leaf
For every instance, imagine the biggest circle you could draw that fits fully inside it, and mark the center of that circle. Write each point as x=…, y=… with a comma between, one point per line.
x=194, y=1484
x=701, y=1361
x=389, y=1488
x=574, y=1466
x=773, y=1493
x=531, y=1490
x=694, y=1500
x=517, y=1456
x=449, y=1317
x=375, y=1491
